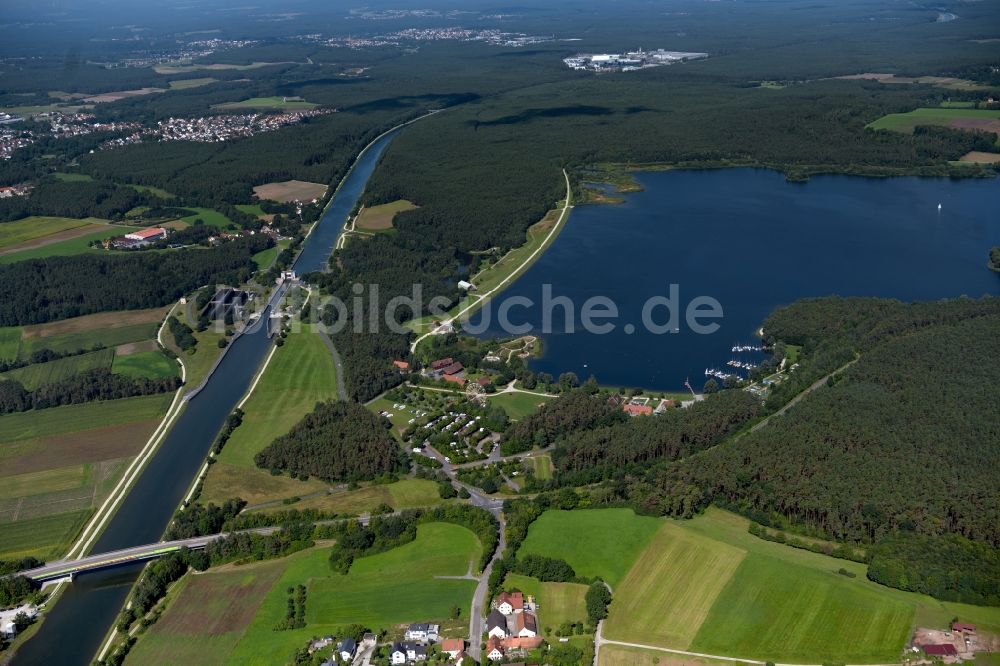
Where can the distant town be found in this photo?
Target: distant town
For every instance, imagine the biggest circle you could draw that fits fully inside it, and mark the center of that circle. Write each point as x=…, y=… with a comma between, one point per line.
x=633, y=60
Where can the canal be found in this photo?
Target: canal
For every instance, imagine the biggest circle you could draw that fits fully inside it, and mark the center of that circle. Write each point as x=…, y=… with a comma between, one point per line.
x=74, y=627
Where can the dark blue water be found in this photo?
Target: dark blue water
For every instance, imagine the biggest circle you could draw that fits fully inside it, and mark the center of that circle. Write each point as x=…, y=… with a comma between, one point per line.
x=76, y=625
x=753, y=242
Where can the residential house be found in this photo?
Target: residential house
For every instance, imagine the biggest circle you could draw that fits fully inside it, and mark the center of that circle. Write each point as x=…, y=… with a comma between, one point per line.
x=422, y=632
x=347, y=648
x=415, y=651
x=453, y=647
x=454, y=379
x=494, y=651
x=510, y=602
x=525, y=625
x=320, y=643
x=633, y=409
x=402, y=366
x=397, y=655
x=496, y=624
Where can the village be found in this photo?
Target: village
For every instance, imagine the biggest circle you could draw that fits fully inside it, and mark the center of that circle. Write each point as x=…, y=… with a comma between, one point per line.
x=631, y=61
x=511, y=632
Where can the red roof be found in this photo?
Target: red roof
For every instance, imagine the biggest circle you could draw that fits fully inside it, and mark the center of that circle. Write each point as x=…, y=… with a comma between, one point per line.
x=962, y=626
x=452, y=369
x=637, y=410
x=515, y=599
x=483, y=381
x=493, y=643
x=402, y=365
x=452, y=378
x=441, y=363
x=943, y=650
x=452, y=645
x=147, y=233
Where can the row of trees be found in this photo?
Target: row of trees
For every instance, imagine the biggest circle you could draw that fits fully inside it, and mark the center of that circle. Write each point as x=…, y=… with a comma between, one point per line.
x=41, y=290
x=87, y=386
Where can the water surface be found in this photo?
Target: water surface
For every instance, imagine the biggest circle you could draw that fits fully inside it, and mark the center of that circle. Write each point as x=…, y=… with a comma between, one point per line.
x=752, y=241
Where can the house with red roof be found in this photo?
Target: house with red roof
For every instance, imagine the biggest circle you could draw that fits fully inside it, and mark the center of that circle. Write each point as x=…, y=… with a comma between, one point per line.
x=510, y=602
x=633, y=409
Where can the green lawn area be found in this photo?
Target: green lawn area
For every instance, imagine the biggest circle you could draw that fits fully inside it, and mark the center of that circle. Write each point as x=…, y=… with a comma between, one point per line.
x=400, y=417
x=949, y=104
x=301, y=374
x=542, y=467
x=39, y=374
x=64, y=248
x=518, y=405
x=276, y=102
x=30, y=228
x=906, y=122
x=45, y=481
x=151, y=364
x=10, y=342
x=575, y=537
x=163, y=194
x=210, y=217
x=265, y=258
x=557, y=602
x=251, y=209
x=73, y=177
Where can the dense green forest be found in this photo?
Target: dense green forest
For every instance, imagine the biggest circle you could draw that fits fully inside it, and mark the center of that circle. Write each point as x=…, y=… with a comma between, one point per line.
x=337, y=441
x=73, y=199
x=53, y=288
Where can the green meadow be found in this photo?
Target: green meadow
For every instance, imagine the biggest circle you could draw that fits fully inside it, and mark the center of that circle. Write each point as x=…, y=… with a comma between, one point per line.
x=518, y=405
x=906, y=122
x=228, y=616
x=39, y=374
x=151, y=364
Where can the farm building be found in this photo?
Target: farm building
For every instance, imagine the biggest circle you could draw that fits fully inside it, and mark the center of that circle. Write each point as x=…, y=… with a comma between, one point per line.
x=496, y=624
x=510, y=602
x=453, y=647
x=943, y=650
x=147, y=235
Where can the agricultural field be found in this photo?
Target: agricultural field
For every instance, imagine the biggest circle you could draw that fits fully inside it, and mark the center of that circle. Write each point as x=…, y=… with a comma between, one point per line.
x=948, y=117
x=300, y=374
x=227, y=616
x=517, y=404
x=163, y=194
x=10, y=342
x=290, y=190
x=57, y=464
x=184, y=84
x=557, y=602
x=379, y=218
x=708, y=586
x=620, y=655
x=106, y=328
x=39, y=374
x=979, y=157
x=570, y=535
x=34, y=227
x=61, y=247
x=277, y=102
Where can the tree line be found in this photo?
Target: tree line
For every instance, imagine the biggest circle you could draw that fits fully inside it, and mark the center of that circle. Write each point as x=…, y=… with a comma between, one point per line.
x=52, y=288
x=87, y=386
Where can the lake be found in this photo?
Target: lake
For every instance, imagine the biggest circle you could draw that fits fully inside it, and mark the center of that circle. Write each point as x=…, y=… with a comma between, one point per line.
x=751, y=241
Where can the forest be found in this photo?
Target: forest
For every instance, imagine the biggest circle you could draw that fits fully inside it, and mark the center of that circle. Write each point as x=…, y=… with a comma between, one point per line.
x=337, y=441
x=54, y=288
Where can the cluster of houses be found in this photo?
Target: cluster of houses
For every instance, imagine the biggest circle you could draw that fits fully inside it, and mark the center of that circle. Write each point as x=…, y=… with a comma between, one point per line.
x=641, y=406
x=18, y=190
x=511, y=626
x=447, y=369
x=417, y=640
